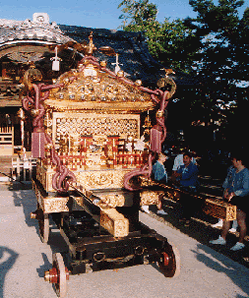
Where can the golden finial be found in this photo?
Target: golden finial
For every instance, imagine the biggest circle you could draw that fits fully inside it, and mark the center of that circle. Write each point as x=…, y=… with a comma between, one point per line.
x=159, y=114
x=168, y=71
x=90, y=48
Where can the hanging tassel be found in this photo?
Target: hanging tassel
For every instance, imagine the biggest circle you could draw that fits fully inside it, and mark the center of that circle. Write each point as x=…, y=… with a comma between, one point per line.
x=155, y=140
x=38, y=137
x=38, y=145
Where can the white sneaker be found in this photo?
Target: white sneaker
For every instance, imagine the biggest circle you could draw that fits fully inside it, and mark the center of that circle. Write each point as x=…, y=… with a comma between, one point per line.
x=161, y=212
x=145, y=208
x=219, y=224
x=237, y=246
x=220, y=241
x=232, y=230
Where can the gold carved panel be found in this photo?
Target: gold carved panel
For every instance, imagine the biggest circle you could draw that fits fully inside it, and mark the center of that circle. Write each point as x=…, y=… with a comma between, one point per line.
x=44, y=176
x=220, y=209
x=112, y=200
x=150, y=197
x=95, y=124
x=89, y=179
x=101, y=179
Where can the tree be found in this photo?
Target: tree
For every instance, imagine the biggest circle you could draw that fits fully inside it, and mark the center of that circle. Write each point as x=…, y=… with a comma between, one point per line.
x=172, y=43
x=241, y=47
x=141, y=14
x=219, y=28
x=222, y=65
x=214, y=46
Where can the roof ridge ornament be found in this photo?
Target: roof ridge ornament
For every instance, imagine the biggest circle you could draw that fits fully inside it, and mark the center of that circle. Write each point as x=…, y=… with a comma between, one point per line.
x=56, y=61
x=41, y=18
x=117, y=67
x=90, y=48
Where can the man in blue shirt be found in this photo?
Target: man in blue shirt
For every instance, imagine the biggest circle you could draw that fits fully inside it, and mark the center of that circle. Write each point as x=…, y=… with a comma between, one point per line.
x=187, y=177
x=187, y=174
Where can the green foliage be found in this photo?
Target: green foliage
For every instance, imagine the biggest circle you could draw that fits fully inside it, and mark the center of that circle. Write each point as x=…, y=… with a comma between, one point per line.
x=141, y=14
x=219, y=28
x=223, y=59
x=172, y=43
x=214, y=47
x=240, y=43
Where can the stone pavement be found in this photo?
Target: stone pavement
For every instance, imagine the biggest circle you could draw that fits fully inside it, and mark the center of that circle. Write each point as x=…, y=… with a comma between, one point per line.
x=23, y=259
x=5, y=167
x=21, y=251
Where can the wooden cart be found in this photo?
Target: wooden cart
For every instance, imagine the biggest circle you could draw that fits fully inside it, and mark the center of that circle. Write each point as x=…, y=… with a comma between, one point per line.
x=100, y=238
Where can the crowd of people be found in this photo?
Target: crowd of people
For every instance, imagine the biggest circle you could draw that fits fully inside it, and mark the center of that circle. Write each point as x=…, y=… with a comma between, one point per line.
x=184, y=176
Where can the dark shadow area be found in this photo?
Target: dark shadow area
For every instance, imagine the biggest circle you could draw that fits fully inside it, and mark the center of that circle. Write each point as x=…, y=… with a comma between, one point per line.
x=25, y=199
x=7, y=260
x=15, y=186
x=56, y=241
x=46, y=266
x=218, y=263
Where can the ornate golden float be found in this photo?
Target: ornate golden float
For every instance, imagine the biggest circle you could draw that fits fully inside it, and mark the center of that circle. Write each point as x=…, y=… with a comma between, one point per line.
x=89, y=149
x=94, y=166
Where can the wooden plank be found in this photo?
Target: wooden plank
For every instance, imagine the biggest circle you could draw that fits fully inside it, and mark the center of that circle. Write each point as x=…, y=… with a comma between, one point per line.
x=109, y=218
x=114, y=222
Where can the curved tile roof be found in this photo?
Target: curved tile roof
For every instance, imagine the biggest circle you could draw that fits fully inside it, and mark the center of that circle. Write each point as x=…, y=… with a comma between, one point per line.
x=134, y=57
x=38, y=30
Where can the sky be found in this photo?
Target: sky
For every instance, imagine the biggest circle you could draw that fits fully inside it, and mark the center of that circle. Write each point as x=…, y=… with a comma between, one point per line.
x=90, y=13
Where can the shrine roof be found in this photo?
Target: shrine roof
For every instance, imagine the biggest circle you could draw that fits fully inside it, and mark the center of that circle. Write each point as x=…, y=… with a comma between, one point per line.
x=35, y=30
x=25, y=41
x=99, y=89
x=134, y=56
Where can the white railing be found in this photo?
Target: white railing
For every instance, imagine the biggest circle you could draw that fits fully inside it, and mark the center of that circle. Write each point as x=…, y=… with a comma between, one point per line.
x=23, y=169
x=6, y=140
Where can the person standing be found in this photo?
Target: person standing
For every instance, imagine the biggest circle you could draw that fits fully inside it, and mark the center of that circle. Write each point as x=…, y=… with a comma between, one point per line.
x=225, y=185
x=158, y=170
x=237, y=193
x=160, y=175
x=187, y=178
x=178, y=161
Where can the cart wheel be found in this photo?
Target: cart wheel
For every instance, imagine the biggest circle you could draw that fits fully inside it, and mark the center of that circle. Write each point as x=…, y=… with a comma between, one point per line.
x=58, y=275
x=169, y=261
x=43, y=222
